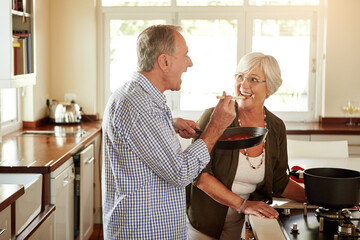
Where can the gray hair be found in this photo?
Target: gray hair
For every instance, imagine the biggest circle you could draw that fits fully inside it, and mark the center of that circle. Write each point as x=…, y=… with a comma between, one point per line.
x=267, y=64
x=153, y=42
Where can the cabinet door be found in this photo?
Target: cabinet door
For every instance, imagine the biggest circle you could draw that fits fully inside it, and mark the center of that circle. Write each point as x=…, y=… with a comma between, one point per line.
x=46, y=231
x=5, y=224
x=64, y=202
x=86, y=192
x=17, y=44
x=302, y=137
x=353, y=141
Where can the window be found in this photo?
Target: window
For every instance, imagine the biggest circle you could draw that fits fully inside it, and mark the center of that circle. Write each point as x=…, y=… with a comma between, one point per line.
x=288, y=39
x=123, y=35
x=218, y=34
x=9, y=109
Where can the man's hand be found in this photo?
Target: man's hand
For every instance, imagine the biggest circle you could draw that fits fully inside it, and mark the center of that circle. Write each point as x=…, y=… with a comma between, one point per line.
x=185, y=128
x=221, y=118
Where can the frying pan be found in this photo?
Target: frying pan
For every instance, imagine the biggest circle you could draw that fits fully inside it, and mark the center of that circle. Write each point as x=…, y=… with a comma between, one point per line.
x=333, y=188
x=254, y=136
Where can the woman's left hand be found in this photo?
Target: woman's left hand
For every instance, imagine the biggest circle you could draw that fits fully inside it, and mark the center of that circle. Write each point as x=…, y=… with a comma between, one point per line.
x=260, y=209
x=185, y=128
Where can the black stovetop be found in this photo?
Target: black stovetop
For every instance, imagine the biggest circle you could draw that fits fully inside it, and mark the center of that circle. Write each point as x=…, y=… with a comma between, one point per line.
x=308, y=227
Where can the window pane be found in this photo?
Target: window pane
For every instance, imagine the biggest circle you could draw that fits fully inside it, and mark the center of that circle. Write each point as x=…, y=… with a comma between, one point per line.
x=283, y=2
x=212, y=48
x=289, y=42
x=112, y=3
x=8, y=104
x=208, y=3
x=123, y=58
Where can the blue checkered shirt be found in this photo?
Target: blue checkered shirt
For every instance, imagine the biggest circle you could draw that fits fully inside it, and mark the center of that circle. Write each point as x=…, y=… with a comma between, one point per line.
x=144, y=169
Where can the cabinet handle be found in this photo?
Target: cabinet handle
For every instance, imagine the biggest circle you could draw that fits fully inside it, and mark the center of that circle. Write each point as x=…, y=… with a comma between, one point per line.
x=90, y=160
x=2, y=231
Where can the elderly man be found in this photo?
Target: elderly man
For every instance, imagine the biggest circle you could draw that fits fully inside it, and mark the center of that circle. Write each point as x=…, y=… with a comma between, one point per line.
x=145, y=171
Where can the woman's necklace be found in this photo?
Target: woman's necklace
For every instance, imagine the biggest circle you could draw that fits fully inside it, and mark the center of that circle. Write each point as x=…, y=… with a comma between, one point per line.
x=263, y=148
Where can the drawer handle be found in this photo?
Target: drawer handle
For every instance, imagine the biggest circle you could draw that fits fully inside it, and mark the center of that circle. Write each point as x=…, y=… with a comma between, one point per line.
x=2, y=231
x=90, y=160
x=68, y=179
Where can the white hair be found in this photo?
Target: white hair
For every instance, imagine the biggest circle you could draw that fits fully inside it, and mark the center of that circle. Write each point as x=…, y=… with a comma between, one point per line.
x=267, y=64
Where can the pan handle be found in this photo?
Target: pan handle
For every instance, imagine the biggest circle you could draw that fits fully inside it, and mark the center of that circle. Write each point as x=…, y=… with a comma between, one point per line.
x=297, y=174
x=199, y=131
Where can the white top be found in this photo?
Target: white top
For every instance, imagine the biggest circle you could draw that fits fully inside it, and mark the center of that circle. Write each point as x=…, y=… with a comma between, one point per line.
x=246, y=178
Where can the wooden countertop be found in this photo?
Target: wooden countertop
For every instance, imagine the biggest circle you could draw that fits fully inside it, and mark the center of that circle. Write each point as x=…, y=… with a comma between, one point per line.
x=9, y=193
x=321, y=128
x=41, y=153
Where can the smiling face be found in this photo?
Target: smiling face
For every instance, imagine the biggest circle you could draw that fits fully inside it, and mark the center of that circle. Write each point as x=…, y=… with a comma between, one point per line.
x=177, y=63
x=250, y=85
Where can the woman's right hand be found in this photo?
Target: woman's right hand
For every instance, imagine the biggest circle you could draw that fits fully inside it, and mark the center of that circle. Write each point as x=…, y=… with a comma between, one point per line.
x=260, y=209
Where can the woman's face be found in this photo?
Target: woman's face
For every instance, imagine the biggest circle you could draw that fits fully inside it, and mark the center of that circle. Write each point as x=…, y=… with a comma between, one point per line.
x=252, y=85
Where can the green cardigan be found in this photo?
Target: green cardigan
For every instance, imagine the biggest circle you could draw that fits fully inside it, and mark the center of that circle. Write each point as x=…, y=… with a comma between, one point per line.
x=207, y=215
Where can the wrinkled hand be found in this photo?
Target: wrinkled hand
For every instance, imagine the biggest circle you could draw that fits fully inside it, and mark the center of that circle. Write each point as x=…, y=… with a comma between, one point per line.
x=224, y=112
x=260, y=209
x=185, y=128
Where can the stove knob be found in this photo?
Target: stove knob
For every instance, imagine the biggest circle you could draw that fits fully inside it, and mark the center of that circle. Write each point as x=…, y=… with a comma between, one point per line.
x=294, y=228
x=286, y=212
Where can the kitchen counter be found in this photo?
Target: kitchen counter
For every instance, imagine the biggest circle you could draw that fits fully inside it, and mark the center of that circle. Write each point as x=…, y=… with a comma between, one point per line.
x=42, y=153
x=9, y=193
x=321, y=128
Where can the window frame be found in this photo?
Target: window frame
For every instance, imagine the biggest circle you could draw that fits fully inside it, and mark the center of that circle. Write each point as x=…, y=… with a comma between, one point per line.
x=309, y=115
x=14, y=124
x=243, y=14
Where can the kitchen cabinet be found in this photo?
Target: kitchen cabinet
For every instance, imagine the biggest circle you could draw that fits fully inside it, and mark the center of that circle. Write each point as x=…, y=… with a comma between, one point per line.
x=84, y=162
x=62, y=196
x=46, y=230
x=353, y=140
x=9, y=194
x=48, y=155
x=5, y=224
x=17, y=43
x=97, y=180
x=28, y=206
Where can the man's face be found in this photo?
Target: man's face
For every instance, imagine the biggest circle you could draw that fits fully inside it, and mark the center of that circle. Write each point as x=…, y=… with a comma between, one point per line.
x=179, y=63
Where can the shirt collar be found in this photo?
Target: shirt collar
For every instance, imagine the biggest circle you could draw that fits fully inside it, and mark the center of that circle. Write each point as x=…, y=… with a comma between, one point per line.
x=150, y=88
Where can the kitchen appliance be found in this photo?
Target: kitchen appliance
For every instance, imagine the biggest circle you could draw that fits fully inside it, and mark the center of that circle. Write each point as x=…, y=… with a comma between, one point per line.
x=311, y=223
x=64, y=112
x=62, y=196
x=84, y=193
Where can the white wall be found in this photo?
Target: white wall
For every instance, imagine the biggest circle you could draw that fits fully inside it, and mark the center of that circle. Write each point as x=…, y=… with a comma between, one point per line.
x=65, y=56
x=342, y=66
x=73, y=51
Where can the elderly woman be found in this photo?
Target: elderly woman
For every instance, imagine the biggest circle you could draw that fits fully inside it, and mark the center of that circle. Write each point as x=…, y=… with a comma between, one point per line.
x=238, y=182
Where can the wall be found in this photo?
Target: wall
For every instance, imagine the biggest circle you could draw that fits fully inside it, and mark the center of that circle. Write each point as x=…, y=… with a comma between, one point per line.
x=65, y=56
x=342, y=77
x=73, y=51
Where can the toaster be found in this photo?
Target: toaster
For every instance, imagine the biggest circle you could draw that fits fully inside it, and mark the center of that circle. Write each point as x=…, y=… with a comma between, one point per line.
x=64, y=112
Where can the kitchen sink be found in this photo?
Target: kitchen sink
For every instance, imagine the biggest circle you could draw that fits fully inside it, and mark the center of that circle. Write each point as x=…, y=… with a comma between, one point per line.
x=28, y=206
x=53, y=133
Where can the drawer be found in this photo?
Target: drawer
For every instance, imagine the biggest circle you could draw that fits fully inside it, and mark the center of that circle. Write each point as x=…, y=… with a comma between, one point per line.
x=5, y=223
x=352, y=139
x=28, y=206
x=302, y=137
